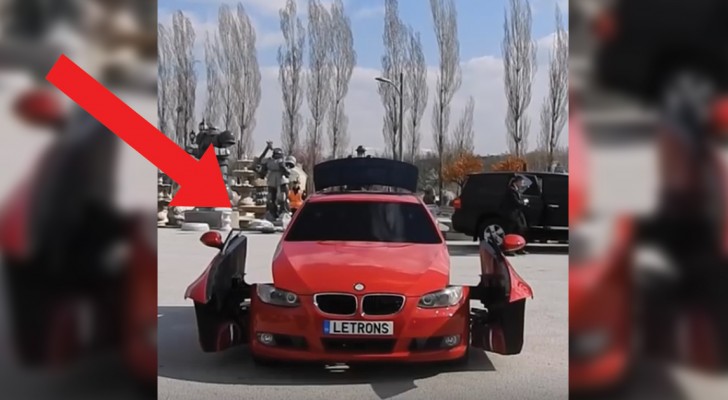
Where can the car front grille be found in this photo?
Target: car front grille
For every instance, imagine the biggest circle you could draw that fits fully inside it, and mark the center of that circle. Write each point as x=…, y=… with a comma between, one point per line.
x=377, y=346
x=382, y=304
x=335, y=303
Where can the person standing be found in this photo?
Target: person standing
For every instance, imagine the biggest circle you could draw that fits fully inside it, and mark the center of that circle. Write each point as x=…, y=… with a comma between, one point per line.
x=513, y=208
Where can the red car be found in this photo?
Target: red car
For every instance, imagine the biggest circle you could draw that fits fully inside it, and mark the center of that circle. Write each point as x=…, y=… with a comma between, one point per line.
x=49, y=297
x=600, y=284
x=360, y=275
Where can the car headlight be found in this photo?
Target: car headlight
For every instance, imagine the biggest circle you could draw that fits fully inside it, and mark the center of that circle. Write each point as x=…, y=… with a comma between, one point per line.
x=442, y=298
x=277, y=297
x=590, y=239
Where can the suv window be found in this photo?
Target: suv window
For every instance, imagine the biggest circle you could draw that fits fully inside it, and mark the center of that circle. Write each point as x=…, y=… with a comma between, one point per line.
x=364, y=221
x=485, y=184
x=535, y=188
x=556, y=185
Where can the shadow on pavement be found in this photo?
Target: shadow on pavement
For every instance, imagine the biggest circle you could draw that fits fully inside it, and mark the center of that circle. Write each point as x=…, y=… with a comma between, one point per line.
x=180, y=358
x=472, y=249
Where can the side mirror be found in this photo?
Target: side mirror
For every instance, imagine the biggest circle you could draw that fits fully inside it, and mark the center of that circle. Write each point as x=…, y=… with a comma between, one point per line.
x=40, y=107
x=513, y=242
x=212, y=239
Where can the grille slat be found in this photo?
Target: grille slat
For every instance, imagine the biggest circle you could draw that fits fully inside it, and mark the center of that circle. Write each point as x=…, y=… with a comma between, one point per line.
x=382, y=304
x=336, y=304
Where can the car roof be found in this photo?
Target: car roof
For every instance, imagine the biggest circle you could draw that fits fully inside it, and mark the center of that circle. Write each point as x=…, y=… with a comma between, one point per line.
x=385, y=197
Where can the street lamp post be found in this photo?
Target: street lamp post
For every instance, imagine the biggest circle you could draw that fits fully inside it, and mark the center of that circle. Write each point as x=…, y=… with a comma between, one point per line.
x=400, y=92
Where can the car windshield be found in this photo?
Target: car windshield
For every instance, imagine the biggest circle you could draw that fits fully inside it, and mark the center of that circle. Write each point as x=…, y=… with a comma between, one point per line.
x=364, y=221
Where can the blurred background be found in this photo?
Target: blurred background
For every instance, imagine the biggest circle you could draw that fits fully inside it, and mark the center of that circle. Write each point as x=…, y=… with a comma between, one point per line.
x=648, y=199
x=77, y=206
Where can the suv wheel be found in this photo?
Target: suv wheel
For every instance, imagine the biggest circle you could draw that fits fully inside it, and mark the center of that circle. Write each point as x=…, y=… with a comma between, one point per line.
x=492, y=229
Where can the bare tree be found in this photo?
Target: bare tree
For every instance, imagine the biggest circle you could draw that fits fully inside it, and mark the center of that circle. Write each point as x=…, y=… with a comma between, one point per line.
x=343, y=59
x=463, y=134
x=166, y=80
x=318, y=78
x=393, y=62
x=246, y=81
x=290, y=64
x=449, y=75
x=213, y=104
x=417, y=92
x=519, y=65
x=553, y=109
x=227, y=56
x=183, y=39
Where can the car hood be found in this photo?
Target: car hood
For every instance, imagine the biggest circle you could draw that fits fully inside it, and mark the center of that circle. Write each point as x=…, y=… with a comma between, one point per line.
x=314, y=267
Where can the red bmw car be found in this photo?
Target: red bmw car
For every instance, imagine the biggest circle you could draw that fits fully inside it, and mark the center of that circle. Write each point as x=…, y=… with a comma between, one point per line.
x=360, y=275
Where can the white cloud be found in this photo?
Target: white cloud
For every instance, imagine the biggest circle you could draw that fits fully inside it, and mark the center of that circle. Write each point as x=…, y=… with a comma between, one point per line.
x=266, y=40
x=545, y=46
x=482, y=79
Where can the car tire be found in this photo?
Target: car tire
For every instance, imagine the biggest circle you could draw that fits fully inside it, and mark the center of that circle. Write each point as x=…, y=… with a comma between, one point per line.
x=491, y=226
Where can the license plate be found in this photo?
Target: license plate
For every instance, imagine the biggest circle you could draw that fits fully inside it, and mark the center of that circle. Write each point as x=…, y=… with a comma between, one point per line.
x=365, y=328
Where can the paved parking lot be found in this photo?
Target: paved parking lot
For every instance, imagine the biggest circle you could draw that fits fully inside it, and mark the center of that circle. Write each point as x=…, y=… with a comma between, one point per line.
x=540, y=372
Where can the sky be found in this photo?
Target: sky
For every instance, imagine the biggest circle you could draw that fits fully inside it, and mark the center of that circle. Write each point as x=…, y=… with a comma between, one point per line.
x=480, y=31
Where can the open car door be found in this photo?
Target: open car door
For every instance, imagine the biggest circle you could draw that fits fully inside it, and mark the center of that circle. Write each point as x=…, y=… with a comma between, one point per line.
x=499, y=326
x=222, y=297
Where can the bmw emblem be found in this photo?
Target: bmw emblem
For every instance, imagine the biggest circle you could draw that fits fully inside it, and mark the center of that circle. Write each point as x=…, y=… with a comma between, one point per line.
x=359, y=287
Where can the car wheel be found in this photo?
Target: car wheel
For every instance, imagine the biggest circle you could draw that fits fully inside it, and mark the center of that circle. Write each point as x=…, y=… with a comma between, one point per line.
x=492, y=229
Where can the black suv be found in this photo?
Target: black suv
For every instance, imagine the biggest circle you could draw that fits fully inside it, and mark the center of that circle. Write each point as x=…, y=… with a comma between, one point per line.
x=547, y=214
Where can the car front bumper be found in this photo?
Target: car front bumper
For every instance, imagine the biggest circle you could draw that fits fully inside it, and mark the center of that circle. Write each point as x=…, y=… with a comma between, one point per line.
x=419, y=334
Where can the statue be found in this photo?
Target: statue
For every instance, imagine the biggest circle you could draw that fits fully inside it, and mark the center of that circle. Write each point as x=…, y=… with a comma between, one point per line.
x=219, y=218
x=360, y=152
x=277, y=171
x=222, y=141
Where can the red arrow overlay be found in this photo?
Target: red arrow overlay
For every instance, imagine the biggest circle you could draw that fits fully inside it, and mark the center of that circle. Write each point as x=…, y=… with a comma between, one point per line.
x=201, y=181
